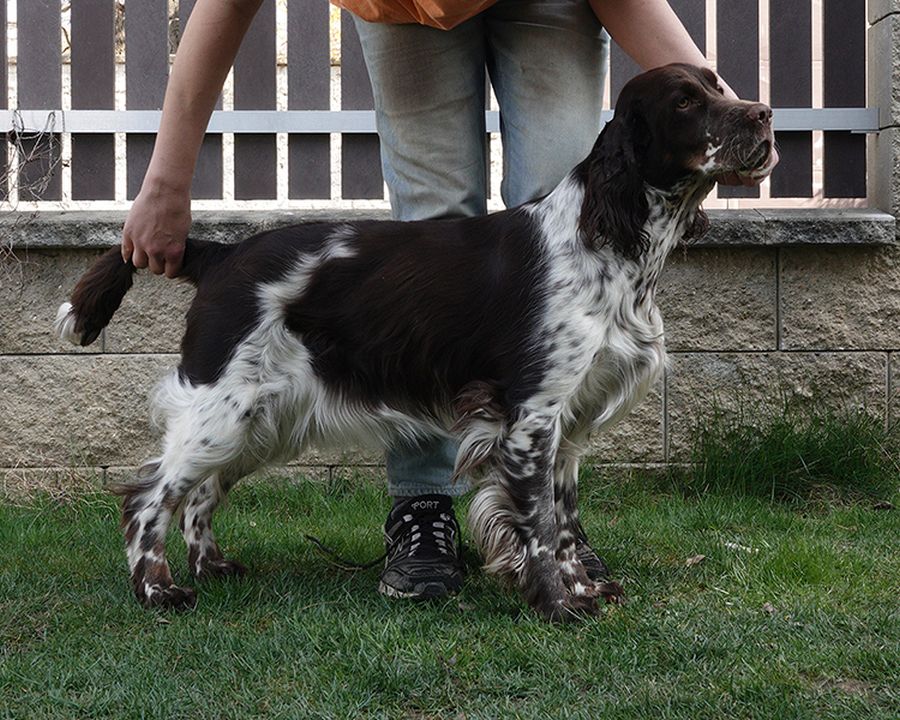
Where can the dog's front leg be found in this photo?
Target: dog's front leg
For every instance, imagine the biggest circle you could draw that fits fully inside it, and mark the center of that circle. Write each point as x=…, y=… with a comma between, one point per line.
x=514, y=520
x=565, y=490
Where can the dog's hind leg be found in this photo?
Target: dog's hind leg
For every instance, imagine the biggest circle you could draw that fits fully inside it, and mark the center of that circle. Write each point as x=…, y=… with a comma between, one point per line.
x=147, y=508
x=206, y=436
x=205, y=558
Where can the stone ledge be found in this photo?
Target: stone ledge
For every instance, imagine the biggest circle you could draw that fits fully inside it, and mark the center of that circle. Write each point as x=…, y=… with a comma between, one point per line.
x=61, y=483
x=880, y=9
x=730, y=228
x=821, y=226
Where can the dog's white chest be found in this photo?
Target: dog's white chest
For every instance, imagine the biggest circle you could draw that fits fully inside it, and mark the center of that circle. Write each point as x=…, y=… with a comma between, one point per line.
x=623, y=356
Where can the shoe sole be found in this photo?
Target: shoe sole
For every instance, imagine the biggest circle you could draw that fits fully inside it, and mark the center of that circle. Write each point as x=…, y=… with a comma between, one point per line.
x=423, y=591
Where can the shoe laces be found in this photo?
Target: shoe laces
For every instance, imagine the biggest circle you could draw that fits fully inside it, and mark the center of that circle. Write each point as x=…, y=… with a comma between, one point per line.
x=423, y=535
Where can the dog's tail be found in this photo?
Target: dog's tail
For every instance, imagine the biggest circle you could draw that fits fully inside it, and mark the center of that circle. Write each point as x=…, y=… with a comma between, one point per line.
x=100, y=290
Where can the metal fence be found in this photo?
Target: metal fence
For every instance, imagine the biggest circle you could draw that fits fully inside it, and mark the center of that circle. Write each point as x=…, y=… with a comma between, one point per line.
x=82, y=81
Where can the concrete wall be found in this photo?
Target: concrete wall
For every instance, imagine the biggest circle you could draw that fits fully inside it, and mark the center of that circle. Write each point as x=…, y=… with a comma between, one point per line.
x=803, y=306
x=884, y=93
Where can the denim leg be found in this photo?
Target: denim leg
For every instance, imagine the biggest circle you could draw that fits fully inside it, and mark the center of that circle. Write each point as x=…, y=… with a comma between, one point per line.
x=547, y=63
x=424, y=469
x=429, y=92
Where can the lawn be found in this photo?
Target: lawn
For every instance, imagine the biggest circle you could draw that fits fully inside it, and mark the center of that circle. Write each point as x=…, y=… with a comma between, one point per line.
x=740, y=605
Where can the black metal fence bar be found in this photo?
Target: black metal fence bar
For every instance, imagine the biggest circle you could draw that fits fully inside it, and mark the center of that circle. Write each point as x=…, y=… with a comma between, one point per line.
x=692, y=14
x=309, y=88
x=210, y=171
x=146, y=73
x=844, y=37
x=39, y=85
x=360, y=156
x=790, y=85
x=255, y=88
x=737, y=53
x=93, y=87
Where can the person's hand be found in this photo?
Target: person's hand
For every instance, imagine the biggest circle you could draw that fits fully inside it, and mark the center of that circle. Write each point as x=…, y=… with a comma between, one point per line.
x=757, y=176
x=156, y=228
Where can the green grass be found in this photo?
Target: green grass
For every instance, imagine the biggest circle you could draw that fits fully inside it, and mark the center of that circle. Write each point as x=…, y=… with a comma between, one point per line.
x=793, y=457
x=793, y=613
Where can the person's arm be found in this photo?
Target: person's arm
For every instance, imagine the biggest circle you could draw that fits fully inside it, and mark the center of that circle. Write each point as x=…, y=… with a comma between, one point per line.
x=649, y=31
x=652, y=35
x=160, y=217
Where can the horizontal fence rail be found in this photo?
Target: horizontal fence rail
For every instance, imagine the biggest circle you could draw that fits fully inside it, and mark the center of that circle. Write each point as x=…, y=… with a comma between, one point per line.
x=82, y=84
x=89, y=122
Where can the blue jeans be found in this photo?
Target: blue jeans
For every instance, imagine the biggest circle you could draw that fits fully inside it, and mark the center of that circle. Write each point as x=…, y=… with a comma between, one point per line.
x=547, y=62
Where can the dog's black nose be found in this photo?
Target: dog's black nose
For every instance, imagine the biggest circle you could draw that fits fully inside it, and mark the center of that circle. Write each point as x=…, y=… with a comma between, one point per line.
x=760, y=112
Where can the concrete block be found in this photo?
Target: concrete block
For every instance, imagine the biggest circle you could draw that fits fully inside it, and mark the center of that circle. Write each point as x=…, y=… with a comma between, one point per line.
x=883, y=151
x=26, y=483
x=274, y=473
x=32, y=286
x=753, y=386
x=350, y=475
x=840, y=298
x=341, y=456
x=893, y=394
x=884, y=69
x=638, y=438
x=880, y=9
x=151, y=317
x=729, y=228
x=828, y=226
x=719, y=299
x=93, y=410
x=103, y=229
x=77, y=410
x=797, y=226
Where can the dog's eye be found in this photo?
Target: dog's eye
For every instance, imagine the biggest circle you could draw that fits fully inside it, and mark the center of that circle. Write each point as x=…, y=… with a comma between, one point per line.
x=684, y=103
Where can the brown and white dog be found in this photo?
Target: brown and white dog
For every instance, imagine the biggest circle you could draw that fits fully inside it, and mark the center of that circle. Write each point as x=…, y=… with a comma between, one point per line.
x=517, y=334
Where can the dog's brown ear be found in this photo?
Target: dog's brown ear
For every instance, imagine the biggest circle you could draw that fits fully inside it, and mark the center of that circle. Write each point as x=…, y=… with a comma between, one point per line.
x=615, y=205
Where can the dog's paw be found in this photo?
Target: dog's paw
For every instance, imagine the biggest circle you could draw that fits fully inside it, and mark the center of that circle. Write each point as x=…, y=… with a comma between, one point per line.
x=611, y=592
x=167, y=597
x=564, y=606
x=569, y=609
x=218, y=569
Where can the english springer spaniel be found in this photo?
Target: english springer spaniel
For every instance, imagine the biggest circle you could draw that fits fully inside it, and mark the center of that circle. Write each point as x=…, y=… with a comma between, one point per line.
x=517, y=334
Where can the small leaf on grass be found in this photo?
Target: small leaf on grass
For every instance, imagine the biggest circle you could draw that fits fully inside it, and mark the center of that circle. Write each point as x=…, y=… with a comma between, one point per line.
x=695, y=560
x=883, y=505
x=769, y=608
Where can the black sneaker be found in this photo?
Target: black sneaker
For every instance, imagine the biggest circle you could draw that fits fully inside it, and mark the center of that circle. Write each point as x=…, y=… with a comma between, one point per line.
x=593, y=564
x=421, y=538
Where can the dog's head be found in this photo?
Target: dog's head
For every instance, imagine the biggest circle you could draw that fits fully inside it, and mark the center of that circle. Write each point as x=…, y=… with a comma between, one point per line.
x=673, y=129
